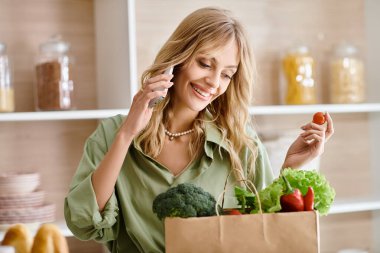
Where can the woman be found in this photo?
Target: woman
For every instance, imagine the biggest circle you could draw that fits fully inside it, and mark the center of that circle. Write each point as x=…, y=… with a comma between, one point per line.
x=198, y=133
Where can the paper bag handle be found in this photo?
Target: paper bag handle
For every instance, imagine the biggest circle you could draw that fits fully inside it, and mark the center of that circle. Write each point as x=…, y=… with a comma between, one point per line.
x=251, y=186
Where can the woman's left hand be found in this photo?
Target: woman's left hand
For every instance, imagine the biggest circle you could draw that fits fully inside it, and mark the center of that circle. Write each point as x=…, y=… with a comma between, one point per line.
x=309, y=144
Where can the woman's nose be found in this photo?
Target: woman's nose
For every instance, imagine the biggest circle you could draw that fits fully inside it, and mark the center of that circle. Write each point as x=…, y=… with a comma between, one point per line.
x=213, y=80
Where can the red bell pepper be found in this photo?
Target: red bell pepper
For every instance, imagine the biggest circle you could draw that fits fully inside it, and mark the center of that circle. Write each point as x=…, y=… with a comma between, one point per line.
x=292, y=201
x=308, y=199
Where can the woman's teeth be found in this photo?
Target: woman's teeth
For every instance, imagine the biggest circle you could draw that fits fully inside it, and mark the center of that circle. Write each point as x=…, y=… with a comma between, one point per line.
x=204, y=94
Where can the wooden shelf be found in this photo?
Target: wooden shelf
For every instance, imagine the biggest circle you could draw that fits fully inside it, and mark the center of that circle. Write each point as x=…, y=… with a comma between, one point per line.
x=254, y=110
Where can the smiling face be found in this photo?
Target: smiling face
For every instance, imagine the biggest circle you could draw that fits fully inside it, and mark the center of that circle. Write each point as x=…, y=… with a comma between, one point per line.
x=205, y=78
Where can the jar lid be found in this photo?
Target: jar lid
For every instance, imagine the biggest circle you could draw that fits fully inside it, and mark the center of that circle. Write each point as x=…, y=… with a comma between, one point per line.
x=300, y=49
x=2, y=47
x=345, y=49
x=55, y=45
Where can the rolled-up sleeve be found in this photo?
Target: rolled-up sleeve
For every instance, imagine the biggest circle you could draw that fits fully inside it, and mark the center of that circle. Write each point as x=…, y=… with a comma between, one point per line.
x=81, y=210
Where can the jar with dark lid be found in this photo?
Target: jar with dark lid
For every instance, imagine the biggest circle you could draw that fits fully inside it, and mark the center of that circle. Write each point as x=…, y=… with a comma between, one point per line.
x=55, y=87
x=7, y=103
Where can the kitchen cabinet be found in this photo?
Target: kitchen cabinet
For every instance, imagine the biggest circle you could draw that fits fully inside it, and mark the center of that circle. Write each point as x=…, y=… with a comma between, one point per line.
x=118, y=66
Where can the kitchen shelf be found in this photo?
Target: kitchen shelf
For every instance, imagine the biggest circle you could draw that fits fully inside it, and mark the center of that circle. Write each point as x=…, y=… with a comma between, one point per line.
x=306, y=109
x=338, y=207
x=61, y=115
x=354, y=205
x=254, y=110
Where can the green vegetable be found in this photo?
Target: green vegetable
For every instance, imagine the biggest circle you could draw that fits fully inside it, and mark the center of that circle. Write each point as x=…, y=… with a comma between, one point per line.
x=245, y=199
x=324, y=194
x=184, y=200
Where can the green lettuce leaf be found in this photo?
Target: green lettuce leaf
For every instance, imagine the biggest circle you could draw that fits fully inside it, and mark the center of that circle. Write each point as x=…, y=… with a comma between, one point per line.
x=324, y=194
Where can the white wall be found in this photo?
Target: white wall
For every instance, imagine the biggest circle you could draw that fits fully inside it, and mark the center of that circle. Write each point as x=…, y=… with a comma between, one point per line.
x=373, y=79
x=115, y=52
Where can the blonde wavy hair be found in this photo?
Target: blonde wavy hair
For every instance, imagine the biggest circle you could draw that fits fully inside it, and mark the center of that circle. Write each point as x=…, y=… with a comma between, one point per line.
x=206, y=30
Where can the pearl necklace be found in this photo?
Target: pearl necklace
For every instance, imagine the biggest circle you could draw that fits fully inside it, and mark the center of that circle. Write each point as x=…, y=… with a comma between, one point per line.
x=175, y=135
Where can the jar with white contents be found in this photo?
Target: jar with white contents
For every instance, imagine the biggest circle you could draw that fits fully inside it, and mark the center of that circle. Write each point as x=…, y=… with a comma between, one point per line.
x=347, y=82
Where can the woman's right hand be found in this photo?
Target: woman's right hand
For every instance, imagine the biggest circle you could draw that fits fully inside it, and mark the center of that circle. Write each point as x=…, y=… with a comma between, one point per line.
x=140, y=113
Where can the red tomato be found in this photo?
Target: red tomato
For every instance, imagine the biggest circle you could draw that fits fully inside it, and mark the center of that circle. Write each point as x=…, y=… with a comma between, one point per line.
x=319, y=118
x=234, y=212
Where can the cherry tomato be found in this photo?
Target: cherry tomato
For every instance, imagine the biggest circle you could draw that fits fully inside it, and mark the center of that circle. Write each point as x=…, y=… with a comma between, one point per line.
x=319, y=118
x=234, y=212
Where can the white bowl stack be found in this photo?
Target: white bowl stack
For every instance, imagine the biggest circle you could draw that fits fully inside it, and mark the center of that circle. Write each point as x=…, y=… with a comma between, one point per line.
x=21, y=201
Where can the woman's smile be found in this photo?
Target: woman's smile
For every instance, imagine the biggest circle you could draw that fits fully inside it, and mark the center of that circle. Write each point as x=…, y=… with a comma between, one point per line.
x=201, y=93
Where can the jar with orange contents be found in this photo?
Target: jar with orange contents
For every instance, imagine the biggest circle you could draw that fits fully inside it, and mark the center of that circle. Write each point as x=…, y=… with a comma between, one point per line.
x=298, y=68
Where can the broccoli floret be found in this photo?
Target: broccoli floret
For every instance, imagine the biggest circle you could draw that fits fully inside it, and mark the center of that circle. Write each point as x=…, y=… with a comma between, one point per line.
x=184, y=200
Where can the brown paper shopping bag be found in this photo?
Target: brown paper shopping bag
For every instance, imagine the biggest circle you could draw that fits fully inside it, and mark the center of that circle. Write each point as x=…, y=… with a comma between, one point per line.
x=262, y=233
x=293, y=232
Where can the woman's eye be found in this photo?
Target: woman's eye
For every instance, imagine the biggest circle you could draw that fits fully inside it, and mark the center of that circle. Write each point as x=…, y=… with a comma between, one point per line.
x=204, y=65
x=227, y=76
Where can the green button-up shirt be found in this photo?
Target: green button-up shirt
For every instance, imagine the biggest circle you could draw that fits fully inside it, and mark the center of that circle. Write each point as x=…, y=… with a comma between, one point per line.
x=127, y=223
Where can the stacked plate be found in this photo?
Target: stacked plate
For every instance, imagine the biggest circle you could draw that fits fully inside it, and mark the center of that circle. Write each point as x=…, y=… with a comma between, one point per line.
x=30, y=199
x=21, y=201
x=18, y=183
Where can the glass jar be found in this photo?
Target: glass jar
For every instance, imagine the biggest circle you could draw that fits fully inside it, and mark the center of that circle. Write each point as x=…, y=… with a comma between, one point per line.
x=54, y=72
x=7, y=100
x=7, y=249
x=347, y=84
x=299, y=77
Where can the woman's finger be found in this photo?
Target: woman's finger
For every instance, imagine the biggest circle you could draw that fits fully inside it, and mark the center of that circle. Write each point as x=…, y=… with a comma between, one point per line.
x=330, y=126
x=314, y=137
x=161, y=77
x=312, y=125
x=158, y=85
x=153, y=94
x=312, y=131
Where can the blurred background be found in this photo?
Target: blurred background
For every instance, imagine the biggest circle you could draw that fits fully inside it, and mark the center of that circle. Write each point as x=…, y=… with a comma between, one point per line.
x=65, y=64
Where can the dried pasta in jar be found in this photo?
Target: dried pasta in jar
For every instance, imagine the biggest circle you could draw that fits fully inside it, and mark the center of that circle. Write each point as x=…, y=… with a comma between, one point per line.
x=347, y=84
x=298, y=69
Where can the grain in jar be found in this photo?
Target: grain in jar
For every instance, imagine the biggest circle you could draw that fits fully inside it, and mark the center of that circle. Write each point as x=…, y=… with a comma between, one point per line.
x=55, y=87
x=347, y=82
x=7, y=100
x=298, y=68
